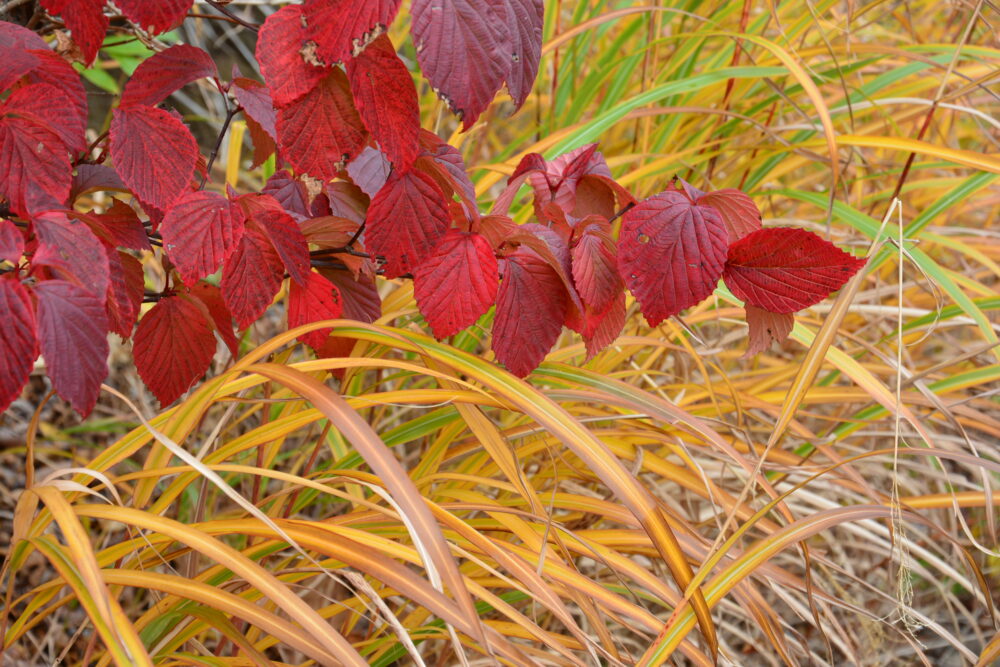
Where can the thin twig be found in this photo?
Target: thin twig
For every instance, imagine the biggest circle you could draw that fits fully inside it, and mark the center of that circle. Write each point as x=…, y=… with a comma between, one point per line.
x=231, y=111
x=233, y=17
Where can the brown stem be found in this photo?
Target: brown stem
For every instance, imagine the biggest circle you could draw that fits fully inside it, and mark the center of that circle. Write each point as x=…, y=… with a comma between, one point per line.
x=233, y=17
x=230, y=112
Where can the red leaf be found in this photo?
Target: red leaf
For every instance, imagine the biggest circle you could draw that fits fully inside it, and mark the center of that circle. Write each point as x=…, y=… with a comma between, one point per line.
x=69, y=246
x=321, y=130
x=359, y=296
x=531, y=307
x=155, y=17
x=464, y=49
x=289, y=192
x=264, y=145
x=738, y=211
x=94, y=177
x=497, y=228
x=18, y=344
x=119, y=226
x=199, y=233
x=766, y=327
x=72, y=330
x=256, y=101
x=55, y=71
x=387, y=100
x=282, y=230
x=251, y=277
x=457, y=283
x=154, y=153
x=445, y=163
x=332, y=232
x=15, y=64
x=56, y=110
x=11, y=242
x=784, y=270
x=369, y=170
x=343, y=27
x=211, y=297
x=85, y=20
x=602, y=330
x=35, y=172
x=524, y=20
x=595, y=268
x=173, y=347
x=531, y=162
x=125, y=291
x=279, y=52
x=405, y=221
x=347, y=201
x=157, y=77
x=671, y=253
x=318, y=299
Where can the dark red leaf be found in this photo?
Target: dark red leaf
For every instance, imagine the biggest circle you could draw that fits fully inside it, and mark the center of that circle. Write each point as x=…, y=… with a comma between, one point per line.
x=48, y=103
x=288, y=191
x=321, y=130
x=561, y=178
x=369, y=170
x=671, y=253
x=347, y=201
x=264, y=145
x=251, y=277
x=173, y=347
x=11, y=242
x=72, y=331
x=73, y=251
x=387, y=100
x=524, y=20
x=600, y=329
x=154, y=153
x=405, y=221
x=445, y=163
x=784, y=270
x=332, y=232
x=256, y=101
x=35, y=172
x=552, y=248
x=766, y=327
x=359, y=296
x=318, y=299
x=199, y=233
x=282, y=230
x=211, y=297
x=279, y=52
x=531, y=306
x=738, y=211
x=18, y=344
x=595, y=268
x=155, y=16
x=341, y=28
x=55, y=71
x=15, y=64
x=85, y=20
x=119, y=226
x=95, y=177
x=531, y=162
x=157, y=77
x=464, y=49
x=457, y=283
x=125, y=291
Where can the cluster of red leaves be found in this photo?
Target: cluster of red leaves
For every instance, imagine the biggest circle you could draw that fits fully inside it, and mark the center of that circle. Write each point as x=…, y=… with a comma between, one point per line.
x=339, y=106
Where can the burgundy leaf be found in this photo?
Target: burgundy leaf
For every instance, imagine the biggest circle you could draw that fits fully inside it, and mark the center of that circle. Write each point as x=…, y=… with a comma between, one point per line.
x=738, y=211
x=68, y=246
x=157, y=77
x=119, y=225
x=457, y=283
x=531, y=306
x=595, y=268
x=766, y=327
x=154, y=153
x=359, y=296
x=531, y=162
x=95, y=177
x=784, y=270
x=279, y=52
x=671, y=253
x=369, y=170
x=387, y=100
x=251, y=277
x=445, y=163
x=347, y=201
x=155, y=16
x=11, y=242
x=18, y=344
x=15, y=64
x=524, y=20
x=321, y=130
x=264, y=145
x=256, y=101
x=464, y=49
x=341, y=28
x=603, y=329
x=288, y=191
x=125, y=291
x=13, y=36
x=49, y=104
x=35, y=172
x=211, y=297
x=86, y=22
x=405, y=221
x=282, y=230
x=173, y=347
x=72, y=330
x=199, y=233
x=318, y=299
x=55, y=71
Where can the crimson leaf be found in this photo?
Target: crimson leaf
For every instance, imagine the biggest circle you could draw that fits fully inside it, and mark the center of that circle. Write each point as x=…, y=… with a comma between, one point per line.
x=14, y=65
x=155, y=17
x=766, y=327
x=18, y=345
x=784, y=270
x=524, y=18
x=35, y=172
x=289, y=191
x=55, y=71
x=173, y=347
x=318, y=299
x=119, y=226
x=85, y=20
x=256, y=101
x=211, y=297
x=738, y=211
x=282, y=230
x=279, y=53
x=671, y=253
x=69, y=246
x=342, y=27
x=165, y=72
x=49, y=104
x=595, y=267
x=125, y=291
x=251, y=277
x=457, y=283
x=199, y=233
x=11, y=242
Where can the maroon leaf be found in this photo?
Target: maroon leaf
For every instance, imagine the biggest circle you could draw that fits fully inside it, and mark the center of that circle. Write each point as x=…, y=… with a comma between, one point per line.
x=14, y=65
x=289, y=192
x=199, y=233
x=211, y=297
x=464, y=49
x=72, y=330
x=86, y=22
x=94, y=177
x=157, y=77
x=119, y=226
x=531, y=307
x=341, y=28
x=49, y=104
x=18, y=344
x=321, y=130
x=738, y=211
x=279, y=52
x=359, y=296
x=766, y=327
x=784, y=270
x=445, y=163
x=405, y=221
x=457, y=283
x=264, y=145
x=369, y=170
x=595, y=268
x=282, y=230
x=173, y=347
x=671, y=253
x=256, y=101
x=251, y=277
x=318, y=299
x=16, y=37
x=524, y=20
x=347, y=201
x=125, y=291
x=68, y=246
x=35, y=172
x=11, y=242
x=154, y=153
x=387, y=100
x=155, y=17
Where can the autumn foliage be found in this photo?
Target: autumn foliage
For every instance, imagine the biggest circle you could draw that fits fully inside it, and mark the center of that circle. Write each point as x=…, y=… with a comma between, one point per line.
x=339, y=107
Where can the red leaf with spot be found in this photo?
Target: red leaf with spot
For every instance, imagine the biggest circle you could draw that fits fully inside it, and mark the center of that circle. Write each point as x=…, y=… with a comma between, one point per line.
x=251, y=277
x=211, y=297
x=125, y=291
x=86, y=22
x=387, y=100
x=256, y=101
x=531, y=306
x=405, y=221
x=279, y=53
x=72, y=331
x=155, y=16
x=35, y=172
x=524, y=20
x=738, y=211
x=154, y=153
x=173, y=347
x=457, y=283
x=11, y=242
x=784, y=270
x=282, y=230
x=464, y=49
x=766, y=327
x=73, y=251
x=157, y=77
x=343, y=27
x=48, y=103
x=199, y=233
x=321, y=130
x=671, y=253
x=119, y=226
x=18, y=344
x=595, y=267
x=317, y=300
